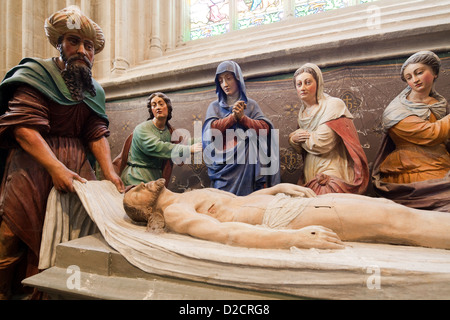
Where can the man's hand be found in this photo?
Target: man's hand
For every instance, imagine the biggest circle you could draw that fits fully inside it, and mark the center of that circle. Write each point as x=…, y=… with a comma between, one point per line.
x=100, y=149
x=115, y=179
x=63, y=178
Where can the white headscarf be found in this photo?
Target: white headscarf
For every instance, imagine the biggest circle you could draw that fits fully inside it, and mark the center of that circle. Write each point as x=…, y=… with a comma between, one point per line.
x=330, y=108
x=401, y=107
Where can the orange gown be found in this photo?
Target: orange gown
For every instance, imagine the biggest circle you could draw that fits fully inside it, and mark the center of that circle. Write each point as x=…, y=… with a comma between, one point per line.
x=420, y=152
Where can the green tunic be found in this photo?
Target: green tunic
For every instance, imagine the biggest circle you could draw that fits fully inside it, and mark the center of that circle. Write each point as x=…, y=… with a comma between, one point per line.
x=149, y=149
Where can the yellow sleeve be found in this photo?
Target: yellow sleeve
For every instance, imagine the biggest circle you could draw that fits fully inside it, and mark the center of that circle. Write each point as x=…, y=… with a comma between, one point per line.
x=422, y=132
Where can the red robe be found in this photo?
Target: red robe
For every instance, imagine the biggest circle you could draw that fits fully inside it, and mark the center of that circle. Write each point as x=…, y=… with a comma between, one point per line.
x=323, y=184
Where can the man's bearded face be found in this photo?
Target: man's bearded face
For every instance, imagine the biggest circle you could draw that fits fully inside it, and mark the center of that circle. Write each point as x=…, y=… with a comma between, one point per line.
x=78, y=64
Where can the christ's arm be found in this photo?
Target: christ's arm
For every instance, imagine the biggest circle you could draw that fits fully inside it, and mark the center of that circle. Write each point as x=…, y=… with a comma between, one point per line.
x=185, y=220
x=287, y=188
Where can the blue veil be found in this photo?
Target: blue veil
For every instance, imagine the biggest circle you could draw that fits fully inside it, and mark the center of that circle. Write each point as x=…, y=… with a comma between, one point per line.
x=254, y=161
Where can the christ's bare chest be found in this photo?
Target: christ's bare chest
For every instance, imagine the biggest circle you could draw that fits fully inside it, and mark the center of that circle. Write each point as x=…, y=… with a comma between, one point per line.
x=227, y=208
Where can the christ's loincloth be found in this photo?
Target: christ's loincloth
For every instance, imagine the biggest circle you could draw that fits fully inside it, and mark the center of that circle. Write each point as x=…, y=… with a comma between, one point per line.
x=283, y=209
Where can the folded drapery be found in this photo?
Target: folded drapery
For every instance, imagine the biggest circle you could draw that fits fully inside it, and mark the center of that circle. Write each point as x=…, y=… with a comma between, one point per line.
x=295, y=271
x=65, y=220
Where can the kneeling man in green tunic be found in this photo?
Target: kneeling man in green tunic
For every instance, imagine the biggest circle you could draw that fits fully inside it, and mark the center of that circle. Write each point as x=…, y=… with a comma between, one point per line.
x=148, y=152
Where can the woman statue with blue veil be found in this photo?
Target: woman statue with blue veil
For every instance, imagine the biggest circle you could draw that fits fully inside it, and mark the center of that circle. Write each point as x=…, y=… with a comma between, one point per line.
x=240, y=146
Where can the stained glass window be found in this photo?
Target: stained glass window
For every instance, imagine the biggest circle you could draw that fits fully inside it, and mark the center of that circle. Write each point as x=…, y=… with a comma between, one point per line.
x=215, y=17
x=257, y=12
x=307, y=7
x=209, y=18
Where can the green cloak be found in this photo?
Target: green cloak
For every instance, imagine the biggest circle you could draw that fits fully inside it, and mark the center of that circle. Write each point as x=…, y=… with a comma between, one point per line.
x=45, y=76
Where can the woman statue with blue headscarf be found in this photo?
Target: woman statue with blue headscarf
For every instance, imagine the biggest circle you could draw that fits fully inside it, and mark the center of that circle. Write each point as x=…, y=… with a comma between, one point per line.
x=240, y=145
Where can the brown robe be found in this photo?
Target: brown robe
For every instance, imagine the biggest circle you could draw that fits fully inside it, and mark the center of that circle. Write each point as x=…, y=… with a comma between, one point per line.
x=26, y=184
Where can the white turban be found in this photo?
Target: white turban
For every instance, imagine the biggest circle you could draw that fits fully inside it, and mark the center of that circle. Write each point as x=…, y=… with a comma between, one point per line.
x=71, y=19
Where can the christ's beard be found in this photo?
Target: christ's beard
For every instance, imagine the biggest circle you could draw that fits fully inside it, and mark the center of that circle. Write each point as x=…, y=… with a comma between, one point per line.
x=78, y=78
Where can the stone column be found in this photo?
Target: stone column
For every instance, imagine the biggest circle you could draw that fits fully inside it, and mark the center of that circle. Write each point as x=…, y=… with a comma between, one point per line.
x=3, y=18
x=171, y=24
x=155, y=42
x=289, y=9
x=104, y=10
x=52, y=7
x=13, y=39
x=28, y=28
x=183, y=25
x=141, y=31
x=70, y=3
x=233, y=15
x=121, y=62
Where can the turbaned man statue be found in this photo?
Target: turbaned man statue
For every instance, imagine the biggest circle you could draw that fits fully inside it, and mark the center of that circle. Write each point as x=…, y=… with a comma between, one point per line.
x=52, y=117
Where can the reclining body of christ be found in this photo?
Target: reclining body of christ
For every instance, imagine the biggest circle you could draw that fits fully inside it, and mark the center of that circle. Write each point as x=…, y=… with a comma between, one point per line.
x=285, y=216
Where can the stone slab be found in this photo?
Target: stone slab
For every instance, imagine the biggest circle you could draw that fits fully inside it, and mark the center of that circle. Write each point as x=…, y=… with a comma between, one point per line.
x=88, y=268
x=103, y=273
